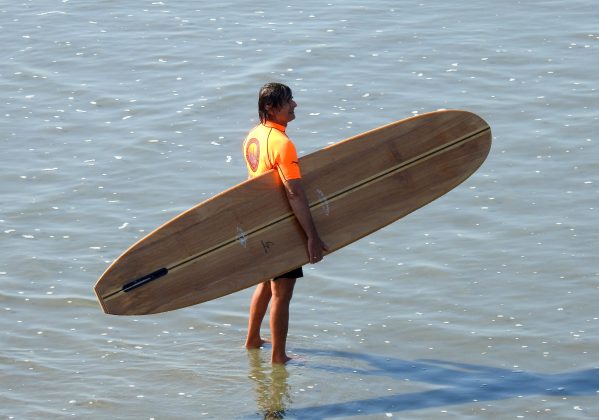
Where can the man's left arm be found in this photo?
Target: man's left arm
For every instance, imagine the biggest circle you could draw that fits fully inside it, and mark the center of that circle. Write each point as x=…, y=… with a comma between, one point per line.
x=300, y=206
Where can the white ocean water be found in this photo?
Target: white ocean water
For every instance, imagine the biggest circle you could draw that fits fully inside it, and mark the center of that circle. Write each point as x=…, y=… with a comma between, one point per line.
x=117, y=116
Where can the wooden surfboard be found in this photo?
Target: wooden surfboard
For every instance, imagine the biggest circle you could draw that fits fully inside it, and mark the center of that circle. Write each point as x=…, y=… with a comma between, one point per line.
x=249, y=234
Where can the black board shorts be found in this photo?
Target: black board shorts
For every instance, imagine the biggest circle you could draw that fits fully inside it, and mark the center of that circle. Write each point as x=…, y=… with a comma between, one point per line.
x=293, y=274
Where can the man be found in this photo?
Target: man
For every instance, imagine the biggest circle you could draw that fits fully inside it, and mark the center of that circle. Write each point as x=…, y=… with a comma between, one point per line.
x=268, y=147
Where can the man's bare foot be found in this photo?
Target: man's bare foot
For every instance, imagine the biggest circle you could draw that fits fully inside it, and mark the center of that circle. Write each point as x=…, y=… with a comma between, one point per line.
x=280, y=359
x=255, y=343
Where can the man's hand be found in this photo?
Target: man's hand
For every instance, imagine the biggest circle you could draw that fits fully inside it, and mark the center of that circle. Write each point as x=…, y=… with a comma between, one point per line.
x=316, y=249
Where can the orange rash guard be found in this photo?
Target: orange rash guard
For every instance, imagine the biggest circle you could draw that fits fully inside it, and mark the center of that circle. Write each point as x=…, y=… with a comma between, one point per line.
x=268, y=147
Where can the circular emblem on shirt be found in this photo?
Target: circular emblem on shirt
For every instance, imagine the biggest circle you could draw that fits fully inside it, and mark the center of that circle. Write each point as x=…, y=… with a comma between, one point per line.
x=252, y=154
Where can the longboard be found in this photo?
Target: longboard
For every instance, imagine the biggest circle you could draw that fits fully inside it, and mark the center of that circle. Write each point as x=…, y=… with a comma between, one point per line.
x=248, y=233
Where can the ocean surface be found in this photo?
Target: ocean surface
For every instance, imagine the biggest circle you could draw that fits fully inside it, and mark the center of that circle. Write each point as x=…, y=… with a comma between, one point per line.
x=117, y=116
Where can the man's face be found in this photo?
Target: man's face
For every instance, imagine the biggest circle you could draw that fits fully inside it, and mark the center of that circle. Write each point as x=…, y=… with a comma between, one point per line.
x=285, y=113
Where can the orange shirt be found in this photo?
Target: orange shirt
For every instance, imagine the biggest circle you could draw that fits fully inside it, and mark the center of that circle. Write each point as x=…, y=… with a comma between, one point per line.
x=267, y=147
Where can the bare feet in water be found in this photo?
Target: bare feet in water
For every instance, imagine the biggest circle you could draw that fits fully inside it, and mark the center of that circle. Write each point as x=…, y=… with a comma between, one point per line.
x=280, y=359
x=258, y=343
x=255, y=343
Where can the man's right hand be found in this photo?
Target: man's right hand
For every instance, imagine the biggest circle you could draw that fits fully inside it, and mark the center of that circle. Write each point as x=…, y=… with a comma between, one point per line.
x=316, y=249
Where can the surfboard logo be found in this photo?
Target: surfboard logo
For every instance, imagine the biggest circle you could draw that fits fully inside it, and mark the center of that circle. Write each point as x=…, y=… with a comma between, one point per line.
x=252, y=154
x=324, y=202
x=241, y=237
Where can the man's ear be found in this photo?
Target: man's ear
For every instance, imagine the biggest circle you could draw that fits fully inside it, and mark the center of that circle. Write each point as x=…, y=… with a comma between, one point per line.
x=269, y=110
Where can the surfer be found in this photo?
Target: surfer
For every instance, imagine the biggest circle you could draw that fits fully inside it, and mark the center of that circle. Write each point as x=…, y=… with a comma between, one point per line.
x=268, y=147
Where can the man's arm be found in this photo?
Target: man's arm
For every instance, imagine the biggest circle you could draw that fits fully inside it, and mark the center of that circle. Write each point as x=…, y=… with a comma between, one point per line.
x=299, y=204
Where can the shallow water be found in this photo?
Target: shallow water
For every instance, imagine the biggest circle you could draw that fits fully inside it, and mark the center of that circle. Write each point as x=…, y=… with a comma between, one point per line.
x=116, y=117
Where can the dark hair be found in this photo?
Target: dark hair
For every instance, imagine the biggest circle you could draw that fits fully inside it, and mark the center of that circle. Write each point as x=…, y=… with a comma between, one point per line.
x=273, y=95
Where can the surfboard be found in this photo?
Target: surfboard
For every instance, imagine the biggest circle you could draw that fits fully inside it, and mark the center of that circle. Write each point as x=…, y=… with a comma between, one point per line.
x=248, y=233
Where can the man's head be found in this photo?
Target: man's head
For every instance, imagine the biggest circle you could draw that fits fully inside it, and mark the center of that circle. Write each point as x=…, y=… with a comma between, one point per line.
x=275, y=102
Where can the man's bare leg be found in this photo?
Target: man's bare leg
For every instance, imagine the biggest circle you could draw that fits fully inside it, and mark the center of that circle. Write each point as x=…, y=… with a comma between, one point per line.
x=258, y=307
x=282, y=291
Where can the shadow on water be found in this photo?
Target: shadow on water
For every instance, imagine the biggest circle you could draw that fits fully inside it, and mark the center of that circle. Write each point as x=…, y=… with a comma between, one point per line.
x=460, y=383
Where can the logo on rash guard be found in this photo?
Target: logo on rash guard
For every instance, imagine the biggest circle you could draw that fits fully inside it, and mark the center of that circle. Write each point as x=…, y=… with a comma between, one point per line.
x=252, y=154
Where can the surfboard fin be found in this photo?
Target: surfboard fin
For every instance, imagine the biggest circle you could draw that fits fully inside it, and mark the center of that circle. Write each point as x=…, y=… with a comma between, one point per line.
x=144, y=280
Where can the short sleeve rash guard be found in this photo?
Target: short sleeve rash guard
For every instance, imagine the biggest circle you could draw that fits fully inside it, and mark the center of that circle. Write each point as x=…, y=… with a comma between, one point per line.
x=268, y=147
